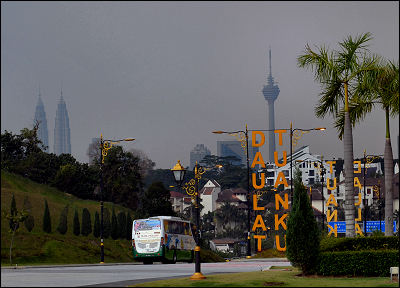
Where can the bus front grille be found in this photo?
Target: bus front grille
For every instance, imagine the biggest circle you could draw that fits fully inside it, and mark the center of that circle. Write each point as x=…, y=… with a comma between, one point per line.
x=147, y=245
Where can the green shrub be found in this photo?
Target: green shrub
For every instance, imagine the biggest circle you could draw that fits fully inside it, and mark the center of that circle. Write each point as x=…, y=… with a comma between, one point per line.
x=359, y=243
x=114, y=225
x=121, y=219
x=129, y=221
x=357, y=263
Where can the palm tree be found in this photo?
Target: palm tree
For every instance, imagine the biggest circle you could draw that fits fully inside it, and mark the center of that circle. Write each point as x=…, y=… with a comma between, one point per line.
x=379, y=87
x=339, y=72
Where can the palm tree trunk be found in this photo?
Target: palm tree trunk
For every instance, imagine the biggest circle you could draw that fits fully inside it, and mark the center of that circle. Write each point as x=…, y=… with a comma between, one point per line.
x=349, y=170
x=388, y=161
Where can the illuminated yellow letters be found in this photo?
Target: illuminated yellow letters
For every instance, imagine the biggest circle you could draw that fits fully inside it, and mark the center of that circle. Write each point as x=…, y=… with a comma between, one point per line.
x=258, y=160
x=278, y=199
x=259, y=237
x=329, y=216
x=332, y=230
x=357, y=183
x=255, y=181
x=255, y=207
x=259, y=222
x=281, y=180
x=331, y=200
x=280, y=136
x=359, y=200
x=329, y=186
x=278, y=244
x=280, y=221
x=331, y=165
x=276, y=159
x=358, y=166
x=254, y=135
x=358, y=229
x=359, y=215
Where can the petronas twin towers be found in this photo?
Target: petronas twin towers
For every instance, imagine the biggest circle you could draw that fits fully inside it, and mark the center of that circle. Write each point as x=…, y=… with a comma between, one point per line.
x=62, y=136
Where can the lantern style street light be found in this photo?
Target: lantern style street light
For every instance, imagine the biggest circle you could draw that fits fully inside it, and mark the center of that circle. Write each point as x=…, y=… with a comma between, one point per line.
x=243, y=137
x=105, y=145
x=192, y=189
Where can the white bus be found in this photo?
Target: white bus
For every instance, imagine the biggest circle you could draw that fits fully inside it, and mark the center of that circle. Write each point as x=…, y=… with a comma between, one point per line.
x=165, y=239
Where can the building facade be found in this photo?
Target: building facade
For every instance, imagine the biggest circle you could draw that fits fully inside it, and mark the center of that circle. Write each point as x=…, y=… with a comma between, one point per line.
x=197, y=154
x=62, y=137
x=234, y=148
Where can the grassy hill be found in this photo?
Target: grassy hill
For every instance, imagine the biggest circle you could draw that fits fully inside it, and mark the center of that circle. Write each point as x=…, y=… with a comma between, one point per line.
x=37, y=247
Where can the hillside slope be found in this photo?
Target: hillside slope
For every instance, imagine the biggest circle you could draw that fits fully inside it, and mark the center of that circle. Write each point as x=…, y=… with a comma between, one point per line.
x=37, y=247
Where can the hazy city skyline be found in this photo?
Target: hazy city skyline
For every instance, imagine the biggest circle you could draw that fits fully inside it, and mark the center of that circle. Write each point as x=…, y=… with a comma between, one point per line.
x=170, y=73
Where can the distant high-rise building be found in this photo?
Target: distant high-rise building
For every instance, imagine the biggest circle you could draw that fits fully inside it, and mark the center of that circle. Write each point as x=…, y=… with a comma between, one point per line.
x=62, y=140
x=40, y=117
x=271, y=93
x=197, y=154
x=94, y=151
x=234, y=148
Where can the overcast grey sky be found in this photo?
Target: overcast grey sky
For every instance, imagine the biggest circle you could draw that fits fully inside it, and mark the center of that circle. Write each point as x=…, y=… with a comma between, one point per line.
x=170, y=73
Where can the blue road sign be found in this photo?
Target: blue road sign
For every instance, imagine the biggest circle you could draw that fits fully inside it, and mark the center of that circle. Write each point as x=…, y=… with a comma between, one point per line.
x=371, y=225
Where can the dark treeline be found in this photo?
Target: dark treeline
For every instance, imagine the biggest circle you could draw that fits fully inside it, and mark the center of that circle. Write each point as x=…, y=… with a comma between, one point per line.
x=123, y=180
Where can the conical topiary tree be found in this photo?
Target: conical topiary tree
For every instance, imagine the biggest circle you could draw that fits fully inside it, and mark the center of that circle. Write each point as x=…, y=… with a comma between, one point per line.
x=128, y=235
x=76, y=229
x=86, y=223
x=121, y=218
x=106, y=223
x=302, y=234
x=114, y=225
x=29, y=221
x=46, y=218
x=63, y=225
x=96, y=226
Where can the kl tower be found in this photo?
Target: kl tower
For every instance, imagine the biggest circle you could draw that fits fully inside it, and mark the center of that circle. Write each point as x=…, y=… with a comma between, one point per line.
x=271, y=93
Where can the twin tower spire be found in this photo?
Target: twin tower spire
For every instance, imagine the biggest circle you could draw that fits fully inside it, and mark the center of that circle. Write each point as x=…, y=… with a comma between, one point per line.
x=62, y=136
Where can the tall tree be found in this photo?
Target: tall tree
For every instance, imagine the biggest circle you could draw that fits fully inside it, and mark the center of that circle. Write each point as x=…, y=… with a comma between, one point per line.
x=77, y=226
x=86, y=223
x=302, y=234
x=29, y=221
x=46, y=218
x=339, y=73
x=380, y=87
x=156, y=201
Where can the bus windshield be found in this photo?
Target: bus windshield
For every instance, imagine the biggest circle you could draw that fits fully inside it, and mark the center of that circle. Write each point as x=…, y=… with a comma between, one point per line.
x=145, y=225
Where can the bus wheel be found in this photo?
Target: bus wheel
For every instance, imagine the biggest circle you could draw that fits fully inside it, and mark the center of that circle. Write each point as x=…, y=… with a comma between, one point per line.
x=147, y=262
x=174, y=258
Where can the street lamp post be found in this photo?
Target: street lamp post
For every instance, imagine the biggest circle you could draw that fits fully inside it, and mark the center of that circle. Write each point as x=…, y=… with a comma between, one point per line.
x=368, y=159
x=192, y=189
x=243, y=137
x=105, y=145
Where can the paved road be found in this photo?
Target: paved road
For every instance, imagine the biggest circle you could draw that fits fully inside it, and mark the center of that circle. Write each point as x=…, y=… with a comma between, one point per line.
x=119, y=275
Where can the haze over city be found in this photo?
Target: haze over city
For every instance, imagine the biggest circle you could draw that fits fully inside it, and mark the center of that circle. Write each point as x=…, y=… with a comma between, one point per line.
x=170, y=73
